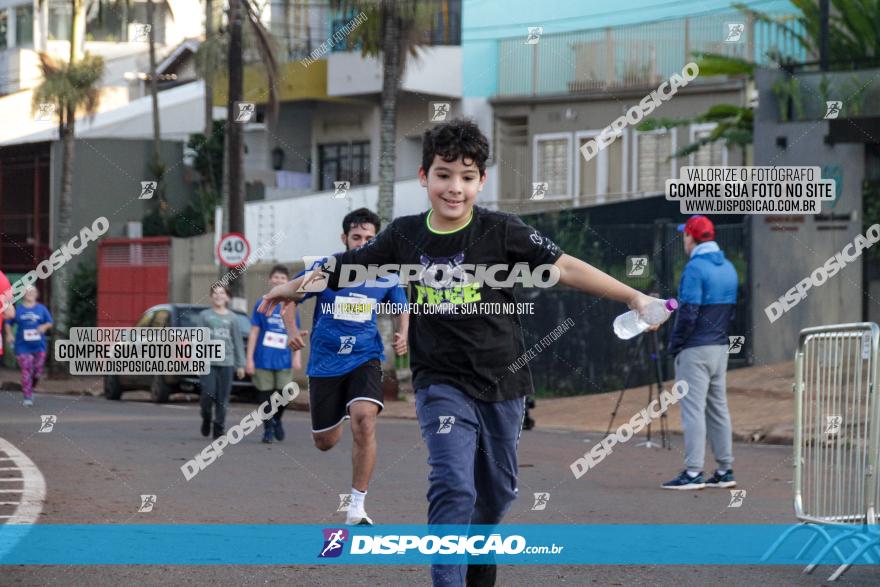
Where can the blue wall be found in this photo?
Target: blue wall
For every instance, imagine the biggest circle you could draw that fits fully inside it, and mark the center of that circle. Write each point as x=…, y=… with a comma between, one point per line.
x=484, y=22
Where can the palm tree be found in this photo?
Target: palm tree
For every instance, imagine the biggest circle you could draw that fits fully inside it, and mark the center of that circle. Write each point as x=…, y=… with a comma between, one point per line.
x=71, y=87
x=392, y=29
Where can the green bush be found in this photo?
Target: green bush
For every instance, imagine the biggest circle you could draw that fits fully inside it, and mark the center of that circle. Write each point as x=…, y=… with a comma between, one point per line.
x=82, y=293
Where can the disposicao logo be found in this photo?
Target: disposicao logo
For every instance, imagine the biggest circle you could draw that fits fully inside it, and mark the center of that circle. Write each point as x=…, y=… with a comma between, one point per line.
x=334, y=540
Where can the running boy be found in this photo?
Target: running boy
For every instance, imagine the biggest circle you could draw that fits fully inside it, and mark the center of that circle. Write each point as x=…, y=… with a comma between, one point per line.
x=269, y=356
x=345, y=365
x=32, y=320
x=217, y=385
x=460, y=360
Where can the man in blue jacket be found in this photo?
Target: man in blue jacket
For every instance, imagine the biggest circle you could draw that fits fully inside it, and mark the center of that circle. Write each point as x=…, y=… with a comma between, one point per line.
x=707, y=301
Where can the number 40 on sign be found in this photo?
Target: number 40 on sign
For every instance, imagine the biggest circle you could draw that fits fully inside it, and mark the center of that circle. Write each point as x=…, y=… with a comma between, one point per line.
x=233, y=249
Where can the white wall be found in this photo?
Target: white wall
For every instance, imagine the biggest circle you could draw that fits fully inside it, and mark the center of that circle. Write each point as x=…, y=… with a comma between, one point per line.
x=181, y=113
x=311, y=224
x=437, y=70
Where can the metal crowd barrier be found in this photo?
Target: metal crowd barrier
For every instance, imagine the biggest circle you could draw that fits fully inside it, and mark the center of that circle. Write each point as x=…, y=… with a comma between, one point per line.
x=837, y=442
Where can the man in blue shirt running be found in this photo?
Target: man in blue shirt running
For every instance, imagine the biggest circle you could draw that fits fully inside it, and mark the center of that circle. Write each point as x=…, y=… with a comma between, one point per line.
x=345, y=365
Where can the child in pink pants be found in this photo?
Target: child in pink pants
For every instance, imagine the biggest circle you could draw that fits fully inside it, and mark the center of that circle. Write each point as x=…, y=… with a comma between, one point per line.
x=32, y=320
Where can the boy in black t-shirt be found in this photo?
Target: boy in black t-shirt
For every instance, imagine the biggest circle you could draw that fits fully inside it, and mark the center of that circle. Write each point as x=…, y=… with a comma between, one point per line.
x=469, y=399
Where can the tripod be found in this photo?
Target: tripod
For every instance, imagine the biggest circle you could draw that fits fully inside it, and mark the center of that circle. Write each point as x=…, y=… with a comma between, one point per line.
x=638, y=354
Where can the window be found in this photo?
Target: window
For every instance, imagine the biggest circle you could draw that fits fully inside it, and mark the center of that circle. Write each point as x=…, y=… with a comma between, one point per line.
x=59, y=20
x=344, y=162
x=653, y=165
x=445, y=28
x=713, y=154
x=24, y=26
x=188, y=316
x=605, y=173
x=343, y=42
x=551, y=162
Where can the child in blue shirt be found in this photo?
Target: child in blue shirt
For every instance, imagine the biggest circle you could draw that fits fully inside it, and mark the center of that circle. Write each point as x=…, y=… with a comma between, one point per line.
x=269, y=357
x=32, y=320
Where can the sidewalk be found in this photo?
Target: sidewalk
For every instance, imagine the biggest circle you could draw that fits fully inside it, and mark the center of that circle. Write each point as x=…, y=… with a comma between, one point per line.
x=760, y=399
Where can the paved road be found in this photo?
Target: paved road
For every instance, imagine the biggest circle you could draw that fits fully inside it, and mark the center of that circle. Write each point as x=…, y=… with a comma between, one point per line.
x=102, y=455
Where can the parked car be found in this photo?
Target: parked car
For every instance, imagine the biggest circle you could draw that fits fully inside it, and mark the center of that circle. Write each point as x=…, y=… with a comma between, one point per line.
x=162, y=386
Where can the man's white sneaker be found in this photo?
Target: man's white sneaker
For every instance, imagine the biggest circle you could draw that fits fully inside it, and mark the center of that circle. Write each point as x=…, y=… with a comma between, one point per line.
x=353, y=518
x=28, y=403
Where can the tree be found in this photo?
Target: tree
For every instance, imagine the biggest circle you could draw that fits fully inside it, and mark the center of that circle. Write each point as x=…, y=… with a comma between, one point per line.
x=157, y=167
x=71, y=87
x=392, y=29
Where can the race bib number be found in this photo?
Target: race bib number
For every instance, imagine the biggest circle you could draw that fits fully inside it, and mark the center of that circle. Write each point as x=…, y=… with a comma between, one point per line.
x=275, y=340
x=356, y=309
x=31, y=334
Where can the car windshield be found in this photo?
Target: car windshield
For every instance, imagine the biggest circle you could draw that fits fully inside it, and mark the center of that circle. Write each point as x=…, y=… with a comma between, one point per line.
x=188, y=316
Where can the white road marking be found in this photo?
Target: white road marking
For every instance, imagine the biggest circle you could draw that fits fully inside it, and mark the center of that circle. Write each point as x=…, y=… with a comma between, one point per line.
x=34, y=492
x=30, y=505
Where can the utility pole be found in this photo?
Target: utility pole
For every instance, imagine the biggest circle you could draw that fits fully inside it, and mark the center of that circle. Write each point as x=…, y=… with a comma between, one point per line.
x=235, y=139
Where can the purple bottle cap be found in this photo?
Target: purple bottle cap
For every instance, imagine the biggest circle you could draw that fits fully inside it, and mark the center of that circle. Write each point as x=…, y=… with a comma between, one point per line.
x=672, y=304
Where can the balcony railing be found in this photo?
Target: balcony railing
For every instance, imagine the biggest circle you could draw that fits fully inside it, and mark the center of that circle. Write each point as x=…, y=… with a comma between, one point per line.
x=809, y=95
x=631, y=56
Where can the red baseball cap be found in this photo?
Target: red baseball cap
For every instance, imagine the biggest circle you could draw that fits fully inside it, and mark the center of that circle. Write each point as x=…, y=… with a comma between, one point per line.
x=699, y=227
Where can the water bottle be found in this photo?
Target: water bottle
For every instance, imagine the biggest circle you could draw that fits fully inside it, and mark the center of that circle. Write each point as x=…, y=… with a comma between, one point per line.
x=630, y=324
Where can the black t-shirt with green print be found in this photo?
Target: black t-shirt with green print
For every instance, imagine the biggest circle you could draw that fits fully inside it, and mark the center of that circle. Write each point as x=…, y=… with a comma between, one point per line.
x=472, y=351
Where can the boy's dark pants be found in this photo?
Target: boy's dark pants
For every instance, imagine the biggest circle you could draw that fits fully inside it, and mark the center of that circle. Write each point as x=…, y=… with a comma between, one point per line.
x=473, y=461
x=216, y=386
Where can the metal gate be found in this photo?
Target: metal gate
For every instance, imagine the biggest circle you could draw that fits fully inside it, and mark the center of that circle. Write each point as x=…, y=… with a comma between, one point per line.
x=132, y=276
x=837, y=440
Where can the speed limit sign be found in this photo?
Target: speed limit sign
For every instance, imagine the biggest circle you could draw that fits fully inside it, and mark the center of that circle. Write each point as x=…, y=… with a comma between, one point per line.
x=233, y=249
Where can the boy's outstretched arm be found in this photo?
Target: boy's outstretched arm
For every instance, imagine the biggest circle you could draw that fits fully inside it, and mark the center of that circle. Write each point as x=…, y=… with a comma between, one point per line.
x=292, y=291
x=379, y=251
x=580, y=275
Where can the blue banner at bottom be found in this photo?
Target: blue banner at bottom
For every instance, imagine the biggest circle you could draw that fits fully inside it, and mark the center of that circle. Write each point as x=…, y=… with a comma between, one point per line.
x=624, y=544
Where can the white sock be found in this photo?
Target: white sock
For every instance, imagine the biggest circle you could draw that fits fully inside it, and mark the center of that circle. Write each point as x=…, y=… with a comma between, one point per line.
x=692, y=474
x=720, y=472
x=357, y=500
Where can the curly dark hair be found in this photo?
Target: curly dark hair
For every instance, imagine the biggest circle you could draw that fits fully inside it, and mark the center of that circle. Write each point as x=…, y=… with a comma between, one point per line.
x=360, y=217
x=458, y=138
